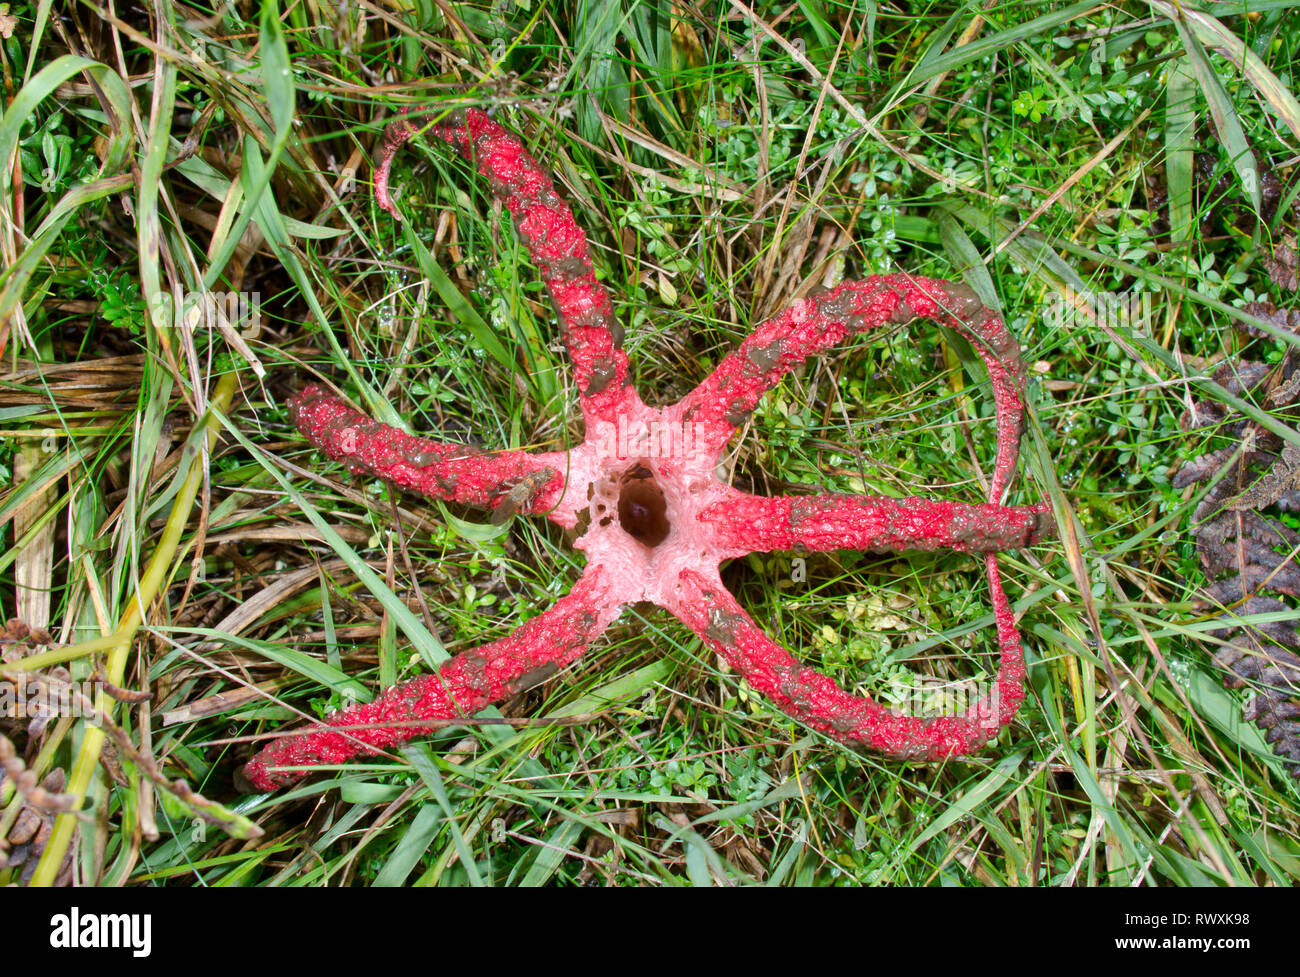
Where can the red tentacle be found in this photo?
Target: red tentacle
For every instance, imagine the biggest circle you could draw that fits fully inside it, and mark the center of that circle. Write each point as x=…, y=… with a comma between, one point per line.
x=815, y=700
x=553, y=238
x=862, y=522
x=454, y=472
x=467, y=684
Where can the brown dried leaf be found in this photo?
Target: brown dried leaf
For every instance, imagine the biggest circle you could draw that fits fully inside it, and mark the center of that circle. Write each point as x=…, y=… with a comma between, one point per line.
x=1281, y=266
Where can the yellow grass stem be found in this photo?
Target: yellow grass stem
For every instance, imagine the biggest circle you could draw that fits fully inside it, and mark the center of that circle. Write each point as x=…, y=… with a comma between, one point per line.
x=159, y=569
x=62, y=654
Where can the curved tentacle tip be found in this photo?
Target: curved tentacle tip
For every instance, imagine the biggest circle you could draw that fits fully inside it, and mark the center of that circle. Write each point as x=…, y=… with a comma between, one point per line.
x=251, y=779
x=1044, y=525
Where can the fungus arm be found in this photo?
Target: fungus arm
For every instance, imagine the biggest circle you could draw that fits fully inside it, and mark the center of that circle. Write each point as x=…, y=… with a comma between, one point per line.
x=818, y=523
x=467, y=684
x=553, y=238
x=453, y=472
x=813, y=325
x=810, y=697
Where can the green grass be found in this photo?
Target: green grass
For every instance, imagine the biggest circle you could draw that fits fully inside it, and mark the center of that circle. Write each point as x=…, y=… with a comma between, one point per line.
x=722, y=163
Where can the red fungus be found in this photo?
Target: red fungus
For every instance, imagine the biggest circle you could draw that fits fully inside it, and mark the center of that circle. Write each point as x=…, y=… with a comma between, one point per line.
x=657, y=521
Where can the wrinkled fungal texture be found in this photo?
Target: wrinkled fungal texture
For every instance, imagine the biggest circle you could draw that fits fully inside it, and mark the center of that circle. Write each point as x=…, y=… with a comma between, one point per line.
x=831, y=522
x=453, y=472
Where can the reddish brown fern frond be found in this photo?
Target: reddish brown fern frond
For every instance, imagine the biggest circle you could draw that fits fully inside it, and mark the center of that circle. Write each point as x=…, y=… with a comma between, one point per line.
x=1246, y=551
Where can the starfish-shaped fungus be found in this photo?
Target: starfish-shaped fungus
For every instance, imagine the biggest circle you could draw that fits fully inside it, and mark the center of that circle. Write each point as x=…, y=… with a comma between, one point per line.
x=656, y=521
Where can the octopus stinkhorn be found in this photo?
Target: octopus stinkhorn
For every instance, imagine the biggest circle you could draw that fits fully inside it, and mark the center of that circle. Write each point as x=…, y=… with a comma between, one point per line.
x=656, y=521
